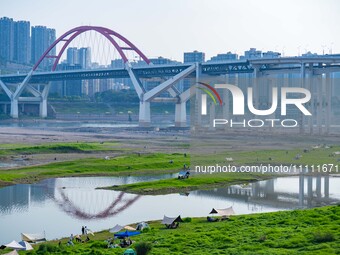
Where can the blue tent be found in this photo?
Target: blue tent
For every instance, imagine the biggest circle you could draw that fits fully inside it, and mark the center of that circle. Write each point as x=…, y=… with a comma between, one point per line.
x=126, y=234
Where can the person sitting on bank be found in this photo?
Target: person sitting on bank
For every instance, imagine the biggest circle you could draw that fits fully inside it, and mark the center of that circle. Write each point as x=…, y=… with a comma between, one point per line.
x=78, y=239
x=211, y=219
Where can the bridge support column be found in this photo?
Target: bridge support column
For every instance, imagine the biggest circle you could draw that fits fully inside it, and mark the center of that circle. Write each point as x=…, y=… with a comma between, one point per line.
x=326, y=186
x=310, y=87
x=301, y=189
x=318, y=186
x=144, y=114
x=180, y=115
x=43, y=102
x=309, y=190
x=319, y=104
x=14, y=108
x=328, y=103
x=43, y=108
x=212, y=116
x=5, y=108
x=256, y=86
x=303, y=77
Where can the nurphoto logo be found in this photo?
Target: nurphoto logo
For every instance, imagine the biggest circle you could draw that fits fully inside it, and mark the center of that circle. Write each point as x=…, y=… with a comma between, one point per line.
x=281, y=98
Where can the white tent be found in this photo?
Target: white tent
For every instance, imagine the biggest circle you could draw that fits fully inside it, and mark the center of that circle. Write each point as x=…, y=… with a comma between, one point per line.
x=223, y=212
x=14, y=245
x=33, y=237
x=168, y=220
x=116, y=228
x=26, y=245
x=142, y=225
x=12, y=253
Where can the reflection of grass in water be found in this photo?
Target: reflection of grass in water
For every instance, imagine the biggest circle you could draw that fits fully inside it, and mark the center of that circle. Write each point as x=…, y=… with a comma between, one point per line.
x=126, y=164
x=312, y=231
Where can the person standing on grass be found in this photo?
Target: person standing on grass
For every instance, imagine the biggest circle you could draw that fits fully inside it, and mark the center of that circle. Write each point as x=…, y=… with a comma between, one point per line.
x=82, y=230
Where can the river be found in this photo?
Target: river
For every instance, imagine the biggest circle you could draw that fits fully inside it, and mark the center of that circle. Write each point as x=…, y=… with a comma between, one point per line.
x=62, y=206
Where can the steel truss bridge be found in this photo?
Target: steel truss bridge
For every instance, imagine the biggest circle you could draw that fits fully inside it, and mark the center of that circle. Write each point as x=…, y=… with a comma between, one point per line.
x=15, y=84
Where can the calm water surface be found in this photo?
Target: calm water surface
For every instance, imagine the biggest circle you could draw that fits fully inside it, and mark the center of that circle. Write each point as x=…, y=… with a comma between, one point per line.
x=61, y=206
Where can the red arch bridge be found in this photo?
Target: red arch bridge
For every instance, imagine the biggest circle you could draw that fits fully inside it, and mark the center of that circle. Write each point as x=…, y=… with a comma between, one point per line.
x=15, y=84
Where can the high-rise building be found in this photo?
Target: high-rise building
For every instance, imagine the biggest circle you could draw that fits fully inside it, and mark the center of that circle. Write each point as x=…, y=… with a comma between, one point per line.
x=42, y=38
x=72, y=56
x=84, y=55
x=80, y=57
x=195, y=56
x=15, y=40
x=251, y=54
x=162, y=61
x=6, y=39
x=68, y=87
x=22, y=42
x=116, y=64
x=224, y=57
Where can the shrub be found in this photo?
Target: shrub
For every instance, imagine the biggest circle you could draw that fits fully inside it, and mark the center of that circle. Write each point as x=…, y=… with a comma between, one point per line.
x=95, y=252
x=143, y=248
x=47, y=248
x=187, y=219
x=146, y=230
x=98, y=244
x=263, y=238
x=321, y=237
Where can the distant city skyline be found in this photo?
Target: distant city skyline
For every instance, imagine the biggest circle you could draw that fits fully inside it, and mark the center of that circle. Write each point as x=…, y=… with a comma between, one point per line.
x=169, y=28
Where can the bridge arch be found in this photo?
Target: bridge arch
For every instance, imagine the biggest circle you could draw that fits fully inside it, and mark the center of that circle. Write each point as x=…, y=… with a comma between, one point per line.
x=70, y=35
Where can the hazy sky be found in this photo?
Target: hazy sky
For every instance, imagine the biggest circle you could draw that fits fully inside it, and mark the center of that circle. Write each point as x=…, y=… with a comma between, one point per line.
x=170, y=27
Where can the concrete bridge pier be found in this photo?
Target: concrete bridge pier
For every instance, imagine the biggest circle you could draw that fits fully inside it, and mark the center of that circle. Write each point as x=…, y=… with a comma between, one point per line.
x=180, y=114
x=14, y=108
x=43, y=101
x=144, y=114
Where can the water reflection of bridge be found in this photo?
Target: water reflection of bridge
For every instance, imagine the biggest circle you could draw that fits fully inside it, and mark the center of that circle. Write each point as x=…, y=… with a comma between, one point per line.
x=311, y=191
x=85, y=203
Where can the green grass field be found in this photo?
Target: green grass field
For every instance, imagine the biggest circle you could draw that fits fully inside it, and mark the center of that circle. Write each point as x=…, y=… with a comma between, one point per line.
x=309, y=156
x=156, y=163
x=127, y=164
x=202, y=181
x=312, y=231
x=12, y=149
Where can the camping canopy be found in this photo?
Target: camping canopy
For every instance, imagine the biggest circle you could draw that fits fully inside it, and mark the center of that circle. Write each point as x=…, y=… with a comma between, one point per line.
x=33, y=237
x=169, y=220
x=126, y=234
x=26, y=245
x=129, y=228
x=14, y=245
x=116, y=228
x=223, y=212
